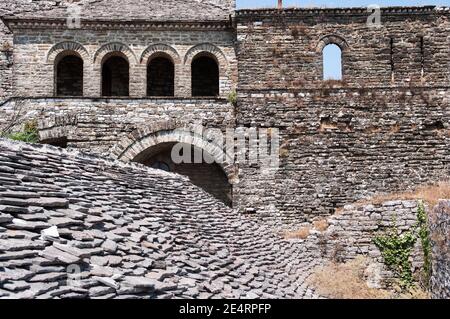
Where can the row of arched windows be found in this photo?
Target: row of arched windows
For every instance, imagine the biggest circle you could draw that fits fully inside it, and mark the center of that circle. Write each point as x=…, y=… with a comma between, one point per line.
x=115, y=76
x=115, y=73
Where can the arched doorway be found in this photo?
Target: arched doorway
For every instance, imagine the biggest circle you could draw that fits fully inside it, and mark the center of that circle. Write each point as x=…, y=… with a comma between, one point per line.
x=205, y=76
x=115, y=76
x=209, y=177
x=69, y=75
x=160, y=77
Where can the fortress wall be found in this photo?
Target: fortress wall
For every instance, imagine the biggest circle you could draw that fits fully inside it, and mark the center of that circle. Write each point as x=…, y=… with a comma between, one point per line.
x=282, y=49
x=346, y=140
x=339, y=146
x=34, y=73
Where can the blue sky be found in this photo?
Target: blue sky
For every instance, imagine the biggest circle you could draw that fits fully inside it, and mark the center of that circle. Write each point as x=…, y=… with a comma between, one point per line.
x=342, y=3
x=332, y=59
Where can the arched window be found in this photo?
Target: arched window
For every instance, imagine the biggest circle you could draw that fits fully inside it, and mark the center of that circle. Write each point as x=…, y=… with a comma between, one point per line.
x=161, y=165
x=205, y=76
x=160, y=77
x=332, y=62
x=115, y=76
x=69, y=76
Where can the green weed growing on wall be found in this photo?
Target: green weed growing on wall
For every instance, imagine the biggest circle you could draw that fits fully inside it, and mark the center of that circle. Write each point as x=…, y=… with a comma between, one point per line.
x=29, y=134
x=424, y=235
x=396, y=249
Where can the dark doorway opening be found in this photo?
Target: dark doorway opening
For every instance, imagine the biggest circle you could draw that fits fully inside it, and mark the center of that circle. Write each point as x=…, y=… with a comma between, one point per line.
x=69, y=76
x=205, y=77
x=115, y=77
x=160, y=77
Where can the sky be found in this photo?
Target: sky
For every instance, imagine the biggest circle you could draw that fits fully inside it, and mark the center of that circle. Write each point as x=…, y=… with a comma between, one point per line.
x=332, y=55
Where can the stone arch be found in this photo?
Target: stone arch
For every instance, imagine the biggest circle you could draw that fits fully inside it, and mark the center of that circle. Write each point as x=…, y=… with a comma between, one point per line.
x=144, y=138
x=332, y=39
x=114, y=48
x=160, y=49
x=66, y=47
x=208, y=48
x=57, y=131
x=153, y=145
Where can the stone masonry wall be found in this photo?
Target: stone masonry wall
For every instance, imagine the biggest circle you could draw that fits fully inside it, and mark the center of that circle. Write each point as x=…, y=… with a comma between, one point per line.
x=352, y=231
x=36, y=50
x=347, y=140
x=338, y=146
x=96, y=125
x=6, y=74
x=440, y=239
x=283, y=49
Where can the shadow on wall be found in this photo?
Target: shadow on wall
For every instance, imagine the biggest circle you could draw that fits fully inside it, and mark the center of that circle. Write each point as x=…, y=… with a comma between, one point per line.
x=209, y=177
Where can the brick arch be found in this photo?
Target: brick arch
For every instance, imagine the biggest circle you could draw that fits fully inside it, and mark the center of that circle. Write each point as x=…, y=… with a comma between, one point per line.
x=143, y=139
x=66, y=47
x=208, y=48
x=112, y=48
x=160, y=48
x=332, y=39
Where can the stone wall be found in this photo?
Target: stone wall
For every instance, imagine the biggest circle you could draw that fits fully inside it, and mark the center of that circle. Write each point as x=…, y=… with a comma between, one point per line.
x=96, y=125
x=352, y=231
x=283, y=49
x=341, y=145
x=101, y=126
x=37, y=50
x=440, y=239
x=6, y=73
x=375, y=131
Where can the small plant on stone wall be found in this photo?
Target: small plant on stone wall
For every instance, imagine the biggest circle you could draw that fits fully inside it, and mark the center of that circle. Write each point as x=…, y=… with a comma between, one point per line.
x=396, y=250
x=29, y=134
x=424, y=235
x=232, y=97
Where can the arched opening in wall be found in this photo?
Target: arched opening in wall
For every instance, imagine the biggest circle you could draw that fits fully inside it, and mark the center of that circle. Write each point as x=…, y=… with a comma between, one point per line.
x=115, y=76
x=209, y=177
x=205, y=75
x=332, y=63
x=69, y=75
x=58, y=142
x=161, y=77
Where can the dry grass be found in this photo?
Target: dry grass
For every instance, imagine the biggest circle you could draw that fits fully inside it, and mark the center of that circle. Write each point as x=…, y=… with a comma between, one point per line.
x=302, y=233
x=372, y=130
x=321, y=225
x=394, y=129
x=327, y=126
x=347, y=281
x=431, y=194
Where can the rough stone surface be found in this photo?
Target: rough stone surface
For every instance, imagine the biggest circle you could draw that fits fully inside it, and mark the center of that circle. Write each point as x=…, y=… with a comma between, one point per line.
x=196, y=248
x=383, y=128
x=440, y=241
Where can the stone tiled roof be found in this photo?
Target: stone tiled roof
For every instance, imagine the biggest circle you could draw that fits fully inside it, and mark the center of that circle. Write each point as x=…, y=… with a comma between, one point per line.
x=130, y=10
x=72, y=225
